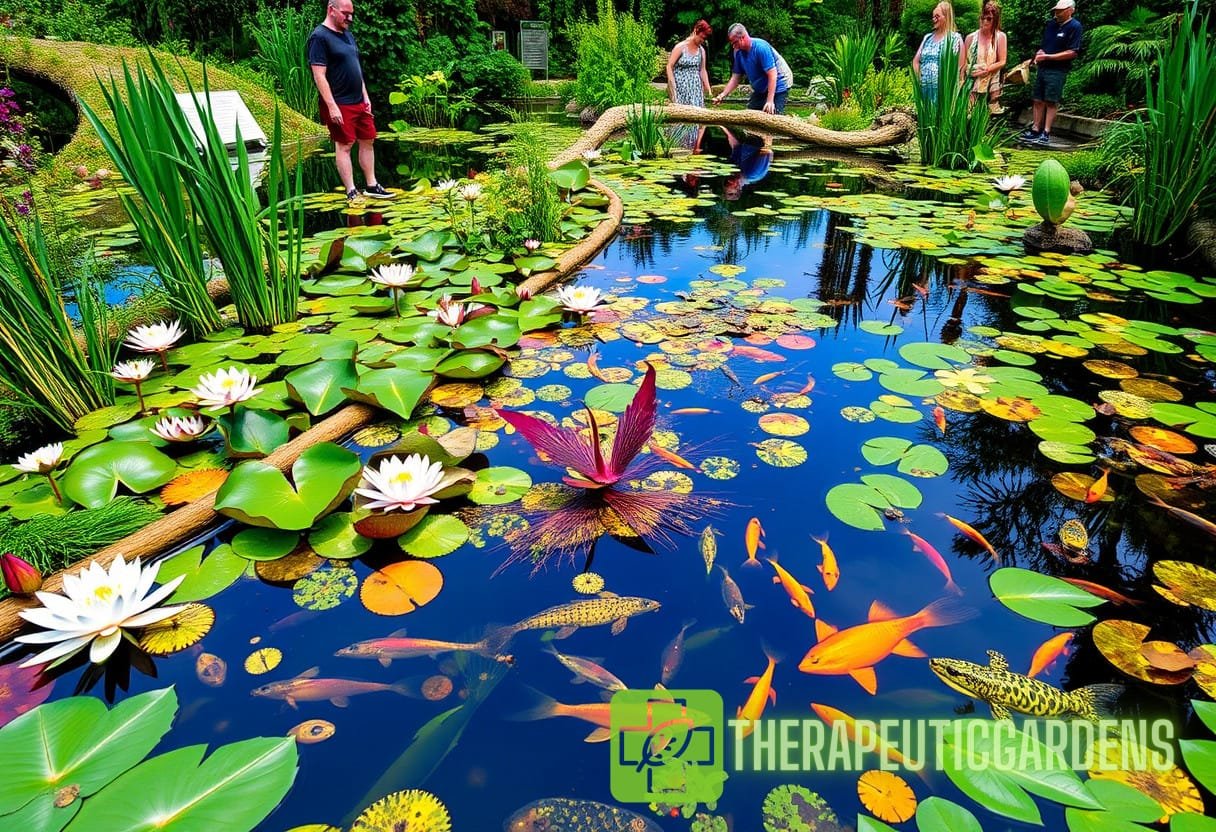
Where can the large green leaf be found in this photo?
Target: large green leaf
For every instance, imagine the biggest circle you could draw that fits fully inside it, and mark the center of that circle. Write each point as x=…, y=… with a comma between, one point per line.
x=77, y=742
x=1042, y=597
x=205, y=576
x=862, y=505
x=93, y=477
x=393, y=389
x=319, y=385
x=611, y=397
x=499, y=486
x=1200, y=756
x=437, y=535
x=258, y=494
x=1191, y=822
x=470, y=364
x=429, y=246
x=914, y=460
x=535, y=263
x=865, y=823
x=572, y=176
x=234, y=788
x=488, y=330
x=358, y=250
x=253, y=432
x=936, y=814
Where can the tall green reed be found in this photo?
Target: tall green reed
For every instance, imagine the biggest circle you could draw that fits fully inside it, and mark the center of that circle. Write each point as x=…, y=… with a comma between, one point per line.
x=951, y=132
x=645, y=125
x=852, y=55
x=544, y=209
x=1178, y=136
x=282, y=38
x=146, y=119
x=42, y=362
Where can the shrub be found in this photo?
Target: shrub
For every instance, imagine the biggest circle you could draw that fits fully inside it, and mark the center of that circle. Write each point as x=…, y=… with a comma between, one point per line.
x=883, y=89
x=428, y=101
x=617, y=58
x=1086, y=166
x=494, y=73
x=847, y=116
x=1095, y=105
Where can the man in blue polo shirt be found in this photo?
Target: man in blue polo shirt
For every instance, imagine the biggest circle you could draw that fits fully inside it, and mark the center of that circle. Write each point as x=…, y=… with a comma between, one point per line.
x=767, y=72
x=1061, y=45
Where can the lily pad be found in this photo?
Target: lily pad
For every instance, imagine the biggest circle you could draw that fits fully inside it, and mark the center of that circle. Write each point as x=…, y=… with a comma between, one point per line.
x=93, y=477
x=264, y=544
x=258, y=494
x=204, y=576
x=435, y=536
x=499, y=485
x=915, y=460
x=1042, y=597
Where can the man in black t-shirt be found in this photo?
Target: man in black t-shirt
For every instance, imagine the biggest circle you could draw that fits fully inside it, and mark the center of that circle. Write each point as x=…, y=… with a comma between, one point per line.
x=1061, y=45
x=345, y=107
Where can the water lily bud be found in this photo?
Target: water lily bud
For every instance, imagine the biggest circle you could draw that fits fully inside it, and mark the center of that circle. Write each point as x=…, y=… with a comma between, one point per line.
x=103, y=173
x=81, y=172
x=20, y=577
x=523, y=293
x=475, y=287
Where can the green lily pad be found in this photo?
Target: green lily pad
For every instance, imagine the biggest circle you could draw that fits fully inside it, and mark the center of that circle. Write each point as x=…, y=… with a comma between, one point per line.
x=429, y=246
x=205, y=576
x=611, y=397
x=915, y=460
x=1190, y=419
x=862, y=505
x=437, y=535
x=93, y=477
x=880, y=328
x=264, y=544
x=253, y=433
x=470, y=364
x=498, y=486
x=395, y=390
x=487, y=330
x=1043, y=598
x=904, y=414
x=852, y=371
x=1067, y=454
x=258, y=494
x=910, y=383
x=936, y=814
x=934, y=356
x=335, y=537
x=1053, y=429
x=319, y=385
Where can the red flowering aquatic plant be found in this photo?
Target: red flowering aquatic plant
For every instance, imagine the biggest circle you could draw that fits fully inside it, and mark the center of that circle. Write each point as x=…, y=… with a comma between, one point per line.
x=601, y=495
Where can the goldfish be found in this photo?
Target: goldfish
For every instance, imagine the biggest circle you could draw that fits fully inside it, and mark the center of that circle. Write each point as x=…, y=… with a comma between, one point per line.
x=730, y=374
x=862, y=733
x=1006, y=691
x=1101, y=591
x=828, y=569
x=732, y=596
x=799, y=594
x=692, y=411
x=988, y=292
x=596, y=713
x=674, y=458
x=673, y=654
x=935, y=557
x=1097, y=489
x=939, y=419
x=593, y=364
x=808, y=387
x=307, y=688
x=396, y=646
x=585, y=670
x=583, y=613
x=1048, y=652
x=762, y=692
x=709, y=547
x=856, y=650
x=974, y=535
x=757, y=354
x=1187, y=516
x=561, y=814
x=768, y=377
x=751, y=540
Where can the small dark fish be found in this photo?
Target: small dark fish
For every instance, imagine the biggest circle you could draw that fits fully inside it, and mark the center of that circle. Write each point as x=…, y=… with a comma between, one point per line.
x=560, y=814
x=292, y=620
x=732, y=596
x=730, y=374
x=673, y=654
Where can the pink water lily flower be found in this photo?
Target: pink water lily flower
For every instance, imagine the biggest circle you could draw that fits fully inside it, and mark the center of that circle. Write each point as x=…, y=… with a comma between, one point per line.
x=454, y=314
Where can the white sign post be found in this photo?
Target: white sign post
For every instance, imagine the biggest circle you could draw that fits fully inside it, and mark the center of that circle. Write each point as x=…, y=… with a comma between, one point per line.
x=228, y=111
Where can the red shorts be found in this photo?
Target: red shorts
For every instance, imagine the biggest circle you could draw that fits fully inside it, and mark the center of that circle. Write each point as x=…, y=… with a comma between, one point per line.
x=356, y=123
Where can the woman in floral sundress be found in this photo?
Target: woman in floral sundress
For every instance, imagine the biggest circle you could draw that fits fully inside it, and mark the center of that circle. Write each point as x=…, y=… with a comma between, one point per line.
x=688, y=79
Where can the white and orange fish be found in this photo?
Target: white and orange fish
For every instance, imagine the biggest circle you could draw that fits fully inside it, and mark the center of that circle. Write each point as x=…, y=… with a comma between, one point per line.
x=829, y=569
x=974, y=535
x=939, y=419
x=768, y=377
x=586, y=670
x=856, y=650
x=808, y=387
x=597, y=713
x=308, y=688
x=800, y=594
x=1048, y=652
x=751, y=540
x=762, y=692
x=935, y=557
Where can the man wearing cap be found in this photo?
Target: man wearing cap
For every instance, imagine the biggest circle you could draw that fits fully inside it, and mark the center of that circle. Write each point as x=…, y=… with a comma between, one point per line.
x=767, y=72
x=1061, y=45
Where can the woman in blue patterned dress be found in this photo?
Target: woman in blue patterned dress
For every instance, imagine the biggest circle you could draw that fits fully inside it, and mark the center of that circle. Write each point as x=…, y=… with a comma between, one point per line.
x=927, y=61
x=688, y=79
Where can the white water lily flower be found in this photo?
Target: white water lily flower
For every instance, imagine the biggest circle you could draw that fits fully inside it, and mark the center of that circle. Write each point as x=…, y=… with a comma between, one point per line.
x=96, y=609
x=471, y=191
x=41, y=461
x=531, y=245
x=1009, y=184
x=968, y=378
x=402, y=484
x=224, y=388
x=445, y=185
x=154, y=337
x=130, y=372
x=394, y=275
x=181, y=428
x=453, y=314
x=581, y=299
x=591, y=155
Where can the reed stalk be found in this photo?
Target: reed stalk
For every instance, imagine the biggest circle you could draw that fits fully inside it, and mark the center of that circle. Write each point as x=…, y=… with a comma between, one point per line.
x=282, y=38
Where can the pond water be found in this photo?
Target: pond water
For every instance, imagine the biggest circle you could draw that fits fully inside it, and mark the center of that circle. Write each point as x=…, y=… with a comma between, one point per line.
x=776, y=422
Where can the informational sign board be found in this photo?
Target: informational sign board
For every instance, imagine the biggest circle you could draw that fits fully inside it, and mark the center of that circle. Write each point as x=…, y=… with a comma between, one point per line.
x=534, y=44
x=229, y=113
x=499, y=38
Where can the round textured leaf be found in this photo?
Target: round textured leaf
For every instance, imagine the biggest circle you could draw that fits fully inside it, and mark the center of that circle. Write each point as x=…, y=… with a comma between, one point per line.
x=437, y=535
x=852, y=371
x=258, y=494
x=470, y=364
x=893, y=490
x=852, y=503
x=318, y=386
x=264, y=544
x=781, y=453
x=1121, y=642
x=177, y=632
x=487, y=330
x=910, y=383
x=401, y=588
x=1052, y=429
x=498, y=486
x=1042, y=597
x=611, y=397
x=325, y=588
x=934, y=356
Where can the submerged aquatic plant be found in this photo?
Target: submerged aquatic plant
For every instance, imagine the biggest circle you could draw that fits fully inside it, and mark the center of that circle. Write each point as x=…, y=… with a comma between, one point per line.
x=96, y=610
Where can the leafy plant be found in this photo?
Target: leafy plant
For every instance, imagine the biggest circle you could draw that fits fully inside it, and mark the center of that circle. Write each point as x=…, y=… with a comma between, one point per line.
x=948, y=129
x=851, y=58
x=282, y=37
x=1178, y=136
x=1123, y=55
x=494, y=74
x=260, y=495
x=618, y=56
x=847, y=116
x=645, y=126
x=1042, y=597
x=882, y=89
x=428, y=101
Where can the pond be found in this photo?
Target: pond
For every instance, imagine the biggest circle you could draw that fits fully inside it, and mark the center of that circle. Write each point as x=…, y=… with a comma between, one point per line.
x=845, y=385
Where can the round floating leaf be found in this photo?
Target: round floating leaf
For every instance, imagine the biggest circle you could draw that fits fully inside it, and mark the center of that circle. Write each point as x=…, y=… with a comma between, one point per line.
x=903, y=414
x=893, y=490
x=395, y=390
x=289, y=569
x=1190, y=419
x=784, y=424
x=1163, y=440
x=1011, y=408
x=852, y=371
x=204, y=576
x=178, y=632
x=934, y=356
x=325, y=588
x=251, y=433
x=1122, y=642
x=93, y=476
x=263, y=660
x=886, y=795
x=1042, y=597
x=470, y=364
x=401, y=588
x=496, y=330
x=318, y=386
x=910, y=383
x=1190, y=582
x=1066, y=454
x=456, y=395
x=264, y=544
x=437, y=535
x=611, y=397
x=499, y=486
x=335, y=537
x=258, y=494
x=720, y=467
x=1158, y=777
x=1076, y=485
x=852, y=503
x=1052, y=429
x=781, y=453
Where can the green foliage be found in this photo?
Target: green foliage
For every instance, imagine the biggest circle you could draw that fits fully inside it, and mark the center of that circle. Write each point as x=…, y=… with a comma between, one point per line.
x=99, y=22
x=531, y=206
x=848, y=116
x=282, y=38
x=428, y=101
x=258, y=494
x=1178, y=136
x=1086, y=166
x=883, y=89
x=1119, y=154
x=851, y=58
x=617, y=59
x=1095, y=105
x=948, y=129
x=494, y=74
x=645, y=126
x=1123, y=55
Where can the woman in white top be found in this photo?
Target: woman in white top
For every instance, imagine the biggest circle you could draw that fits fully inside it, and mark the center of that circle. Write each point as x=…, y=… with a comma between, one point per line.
x=986, y=49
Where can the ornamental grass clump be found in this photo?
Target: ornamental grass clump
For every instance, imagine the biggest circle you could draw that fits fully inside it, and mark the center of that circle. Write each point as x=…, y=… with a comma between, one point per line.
x=951, y=133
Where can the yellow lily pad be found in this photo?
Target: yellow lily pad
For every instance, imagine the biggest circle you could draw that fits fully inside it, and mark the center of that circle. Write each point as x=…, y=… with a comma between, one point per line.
x=1120, y=642
x=183, y=630
x=1154, y=391
x=1011, y=408
x=1160, y=779
x=784, y=424
x=1191, y=582
x=1126, y=404
x=1111, y=369
x=263, y=661
x=781, y=453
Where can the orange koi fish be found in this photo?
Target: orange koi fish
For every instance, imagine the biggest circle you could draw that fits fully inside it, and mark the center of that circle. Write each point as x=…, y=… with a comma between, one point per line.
x=855, y=651
x=1097, y=489
x=988, y=292
x=862, y=733
x=593, y=364
x=756, y=354
x=808, y=387
x=673, y=458
x=799, y=593
x=935, y=557
x=751, y=539
x=768, y=377
x=307, y=688
x=762, y=692
x=691, y=411
x=594, y=712
x=828, y=569
x=1102, y=592
x=974, y=535
x=939, y=419
x=1048, y=652
x=1182, y=514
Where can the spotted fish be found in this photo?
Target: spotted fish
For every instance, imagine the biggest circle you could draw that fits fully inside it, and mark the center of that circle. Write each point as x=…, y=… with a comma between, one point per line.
x=560, y=814
x=607, y=608
x=1006, y=691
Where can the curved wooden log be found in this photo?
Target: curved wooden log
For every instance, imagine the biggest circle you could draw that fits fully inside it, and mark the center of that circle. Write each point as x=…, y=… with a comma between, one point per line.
x=585, y=249
x=896, y=127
